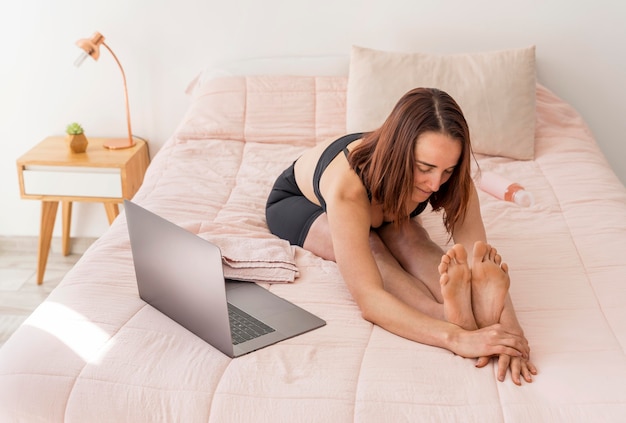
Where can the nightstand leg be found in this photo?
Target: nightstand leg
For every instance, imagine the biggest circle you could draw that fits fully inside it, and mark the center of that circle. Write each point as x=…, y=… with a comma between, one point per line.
x=48, y=215
x=112, y=210
x=67, y=222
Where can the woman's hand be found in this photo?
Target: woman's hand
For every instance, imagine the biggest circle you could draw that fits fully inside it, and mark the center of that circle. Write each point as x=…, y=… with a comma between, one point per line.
x=489, y=341
x=519, y=367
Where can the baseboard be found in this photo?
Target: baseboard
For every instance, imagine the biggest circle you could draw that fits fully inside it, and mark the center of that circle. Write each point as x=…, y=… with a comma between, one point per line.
x=30, y=244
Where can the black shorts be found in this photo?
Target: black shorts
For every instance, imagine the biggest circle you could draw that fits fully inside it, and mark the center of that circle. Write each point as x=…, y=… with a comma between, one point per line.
x=288, y=212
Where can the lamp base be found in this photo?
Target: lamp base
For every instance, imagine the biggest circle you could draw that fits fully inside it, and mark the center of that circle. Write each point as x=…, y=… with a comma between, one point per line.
x=119, y=144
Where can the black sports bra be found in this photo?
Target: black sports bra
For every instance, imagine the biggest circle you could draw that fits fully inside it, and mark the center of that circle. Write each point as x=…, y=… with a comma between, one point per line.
x=329, y=154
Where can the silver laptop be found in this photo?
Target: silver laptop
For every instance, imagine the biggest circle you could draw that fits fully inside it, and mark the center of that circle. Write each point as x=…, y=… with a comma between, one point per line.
x=180, y=274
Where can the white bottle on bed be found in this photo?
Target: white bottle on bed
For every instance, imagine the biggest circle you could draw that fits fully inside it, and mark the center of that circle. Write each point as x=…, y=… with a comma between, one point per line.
x=504, y=189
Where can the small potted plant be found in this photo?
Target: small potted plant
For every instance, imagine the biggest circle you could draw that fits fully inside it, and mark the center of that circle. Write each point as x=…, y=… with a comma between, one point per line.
x=76, y=138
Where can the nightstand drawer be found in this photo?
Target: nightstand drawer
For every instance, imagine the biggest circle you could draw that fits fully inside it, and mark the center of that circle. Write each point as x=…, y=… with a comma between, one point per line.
x=72, y=181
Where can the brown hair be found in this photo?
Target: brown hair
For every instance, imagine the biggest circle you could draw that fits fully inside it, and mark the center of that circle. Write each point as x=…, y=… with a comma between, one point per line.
x=386, y=156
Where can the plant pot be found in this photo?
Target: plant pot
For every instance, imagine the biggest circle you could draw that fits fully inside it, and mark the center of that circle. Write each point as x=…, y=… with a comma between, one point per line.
x=77, y=143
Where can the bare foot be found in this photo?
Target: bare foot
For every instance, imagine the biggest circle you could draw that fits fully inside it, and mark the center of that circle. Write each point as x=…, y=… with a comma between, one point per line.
x=490, y=284
x=456, y=288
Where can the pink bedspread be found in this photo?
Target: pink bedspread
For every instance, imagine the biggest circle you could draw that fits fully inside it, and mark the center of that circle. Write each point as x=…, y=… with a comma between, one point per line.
x=93, y=351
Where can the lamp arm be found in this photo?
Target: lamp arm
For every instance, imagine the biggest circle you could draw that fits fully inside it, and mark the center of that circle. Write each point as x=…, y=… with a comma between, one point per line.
x=130, y=133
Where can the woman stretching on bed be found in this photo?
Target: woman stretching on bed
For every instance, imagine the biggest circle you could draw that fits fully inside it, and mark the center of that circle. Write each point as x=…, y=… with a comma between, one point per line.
x=356, y=201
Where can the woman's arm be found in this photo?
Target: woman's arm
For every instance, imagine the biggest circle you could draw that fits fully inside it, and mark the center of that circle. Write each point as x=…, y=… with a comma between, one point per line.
x=472, y=228
x=348, y=212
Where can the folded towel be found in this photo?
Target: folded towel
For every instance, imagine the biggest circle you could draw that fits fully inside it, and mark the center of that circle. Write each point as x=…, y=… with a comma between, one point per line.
x=255, y=259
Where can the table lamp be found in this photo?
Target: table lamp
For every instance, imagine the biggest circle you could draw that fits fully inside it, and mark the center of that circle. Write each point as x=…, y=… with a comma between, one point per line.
x=91, y=47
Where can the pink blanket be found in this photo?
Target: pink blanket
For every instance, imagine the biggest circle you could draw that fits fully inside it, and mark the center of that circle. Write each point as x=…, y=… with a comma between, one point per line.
x=93, y=351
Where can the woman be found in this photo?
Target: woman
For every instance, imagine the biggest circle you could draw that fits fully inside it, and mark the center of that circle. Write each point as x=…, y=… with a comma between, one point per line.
x=356, y=201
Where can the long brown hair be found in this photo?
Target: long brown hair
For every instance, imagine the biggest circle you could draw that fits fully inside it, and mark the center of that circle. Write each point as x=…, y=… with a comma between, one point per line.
x=386, y=156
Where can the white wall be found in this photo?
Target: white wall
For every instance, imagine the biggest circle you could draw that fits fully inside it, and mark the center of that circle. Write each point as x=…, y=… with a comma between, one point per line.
x=162, y=44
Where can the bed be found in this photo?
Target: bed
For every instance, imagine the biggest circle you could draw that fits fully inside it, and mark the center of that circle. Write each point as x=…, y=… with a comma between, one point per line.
x=94, y=351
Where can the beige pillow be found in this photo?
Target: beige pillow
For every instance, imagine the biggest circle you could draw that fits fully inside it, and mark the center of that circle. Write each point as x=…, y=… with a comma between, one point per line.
x=496, y=91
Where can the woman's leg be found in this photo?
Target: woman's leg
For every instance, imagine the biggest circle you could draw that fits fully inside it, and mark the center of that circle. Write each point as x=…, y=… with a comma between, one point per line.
x=446, y=275
x=402, y=284
x=416, y=252
x=319, y=240
x=396, y=279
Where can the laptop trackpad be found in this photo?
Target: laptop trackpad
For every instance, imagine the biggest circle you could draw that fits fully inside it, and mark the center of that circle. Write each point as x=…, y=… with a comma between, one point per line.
x=256, y=300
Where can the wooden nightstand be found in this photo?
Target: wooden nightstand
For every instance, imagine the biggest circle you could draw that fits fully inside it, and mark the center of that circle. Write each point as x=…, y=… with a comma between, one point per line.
x=50, y=172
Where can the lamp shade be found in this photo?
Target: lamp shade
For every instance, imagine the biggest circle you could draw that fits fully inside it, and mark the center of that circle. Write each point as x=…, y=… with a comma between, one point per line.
x=90, y=47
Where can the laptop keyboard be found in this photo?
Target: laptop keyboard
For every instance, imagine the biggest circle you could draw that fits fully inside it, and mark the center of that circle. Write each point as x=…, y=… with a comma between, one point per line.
x=244, y=327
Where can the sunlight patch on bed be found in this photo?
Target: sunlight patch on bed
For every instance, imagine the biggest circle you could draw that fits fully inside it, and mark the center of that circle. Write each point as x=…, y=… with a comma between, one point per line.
x=83, y=337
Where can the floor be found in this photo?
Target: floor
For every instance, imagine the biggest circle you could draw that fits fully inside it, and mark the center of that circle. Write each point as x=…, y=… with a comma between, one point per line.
x=19, y=292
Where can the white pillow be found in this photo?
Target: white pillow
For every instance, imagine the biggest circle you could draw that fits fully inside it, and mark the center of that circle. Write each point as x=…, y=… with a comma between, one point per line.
x=496, y=91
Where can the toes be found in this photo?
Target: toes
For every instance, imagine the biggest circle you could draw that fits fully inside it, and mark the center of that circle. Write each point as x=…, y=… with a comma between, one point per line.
x=457, y=252
x=493, y=253
x=497, y=259
x=480, y=252
x=442, y=268
x=485, y=252
x=449, y=256
x=444, y=264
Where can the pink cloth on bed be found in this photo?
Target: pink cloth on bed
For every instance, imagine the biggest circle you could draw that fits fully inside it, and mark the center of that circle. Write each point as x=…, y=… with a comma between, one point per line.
x=268, y=260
